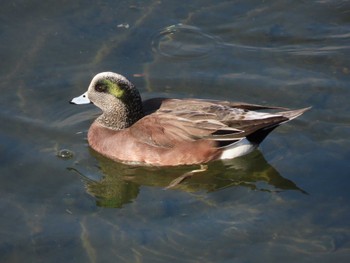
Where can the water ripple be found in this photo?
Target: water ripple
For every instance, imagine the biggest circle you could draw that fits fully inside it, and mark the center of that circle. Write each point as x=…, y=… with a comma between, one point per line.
x=184, y=42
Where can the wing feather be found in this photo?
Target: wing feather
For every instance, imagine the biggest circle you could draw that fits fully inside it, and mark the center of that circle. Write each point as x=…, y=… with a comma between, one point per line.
x=180, y=121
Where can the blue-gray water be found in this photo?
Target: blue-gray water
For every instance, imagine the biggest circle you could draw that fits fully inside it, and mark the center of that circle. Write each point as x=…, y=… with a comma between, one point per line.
x=288, y=202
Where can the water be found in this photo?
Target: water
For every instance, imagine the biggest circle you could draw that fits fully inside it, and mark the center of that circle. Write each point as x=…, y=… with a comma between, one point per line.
x=62, y=202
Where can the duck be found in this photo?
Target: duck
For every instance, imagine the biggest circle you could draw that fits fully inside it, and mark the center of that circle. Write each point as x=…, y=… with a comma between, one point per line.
x=173, y=132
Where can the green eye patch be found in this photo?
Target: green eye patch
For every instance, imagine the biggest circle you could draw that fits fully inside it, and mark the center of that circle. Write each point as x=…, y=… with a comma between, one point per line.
x=113, y=88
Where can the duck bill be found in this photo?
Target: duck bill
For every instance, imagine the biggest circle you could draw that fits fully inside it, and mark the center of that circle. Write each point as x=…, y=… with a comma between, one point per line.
x=82, y=99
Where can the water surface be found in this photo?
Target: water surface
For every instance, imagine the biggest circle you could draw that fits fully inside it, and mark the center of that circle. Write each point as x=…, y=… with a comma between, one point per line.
x=287, y=202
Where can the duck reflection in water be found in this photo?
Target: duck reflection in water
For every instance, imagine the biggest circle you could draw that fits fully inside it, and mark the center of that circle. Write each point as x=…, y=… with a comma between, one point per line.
x=121, y=183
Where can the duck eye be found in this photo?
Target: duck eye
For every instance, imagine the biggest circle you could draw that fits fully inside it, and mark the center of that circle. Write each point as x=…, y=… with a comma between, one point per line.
x=100, y=88
x=123, y=86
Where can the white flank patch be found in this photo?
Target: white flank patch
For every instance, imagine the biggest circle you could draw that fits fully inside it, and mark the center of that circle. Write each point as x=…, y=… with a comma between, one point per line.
x=240, y=148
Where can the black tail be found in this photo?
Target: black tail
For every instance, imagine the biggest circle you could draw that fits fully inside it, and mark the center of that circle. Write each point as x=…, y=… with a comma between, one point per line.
x=258, y=136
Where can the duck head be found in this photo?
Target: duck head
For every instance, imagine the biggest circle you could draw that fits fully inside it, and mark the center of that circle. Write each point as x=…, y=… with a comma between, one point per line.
x=117, y=97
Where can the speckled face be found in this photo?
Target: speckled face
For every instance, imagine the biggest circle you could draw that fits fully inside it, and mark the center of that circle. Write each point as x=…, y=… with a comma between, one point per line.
x=113, y=84
x=108, y=89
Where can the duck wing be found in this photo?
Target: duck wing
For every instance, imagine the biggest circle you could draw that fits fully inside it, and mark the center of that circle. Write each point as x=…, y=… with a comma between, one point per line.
x=178, y=121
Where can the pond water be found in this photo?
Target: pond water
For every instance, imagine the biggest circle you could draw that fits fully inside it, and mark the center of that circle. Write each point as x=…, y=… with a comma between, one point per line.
x=286, y=202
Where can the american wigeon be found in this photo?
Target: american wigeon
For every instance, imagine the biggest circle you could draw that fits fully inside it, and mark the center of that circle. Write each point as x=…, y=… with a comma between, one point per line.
x=168, y=132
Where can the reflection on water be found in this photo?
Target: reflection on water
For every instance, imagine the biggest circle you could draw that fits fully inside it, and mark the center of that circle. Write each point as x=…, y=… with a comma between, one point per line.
x=121, y=183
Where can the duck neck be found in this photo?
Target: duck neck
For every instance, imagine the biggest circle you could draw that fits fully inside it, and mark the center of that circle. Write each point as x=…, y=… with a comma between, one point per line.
x=121, y=117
